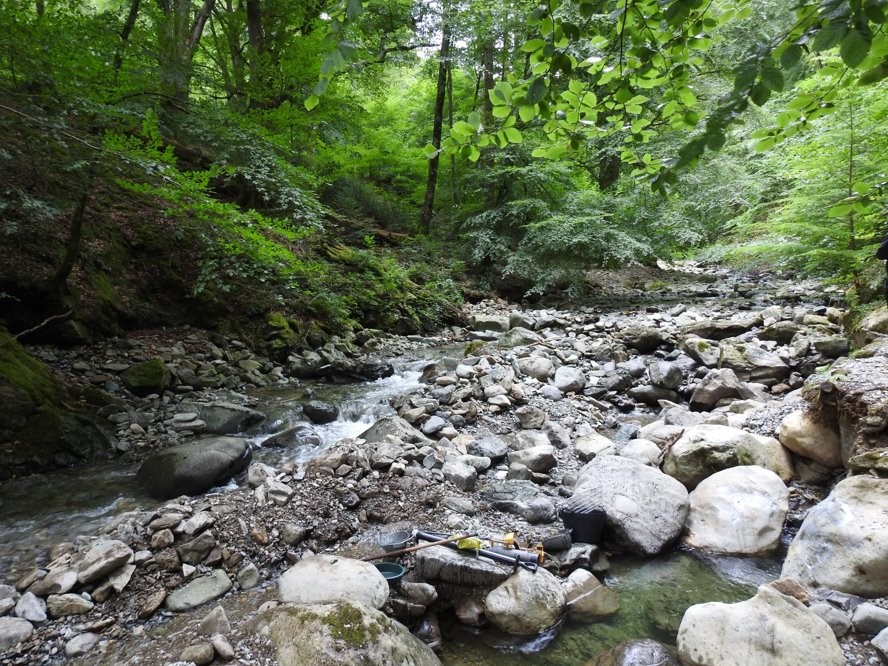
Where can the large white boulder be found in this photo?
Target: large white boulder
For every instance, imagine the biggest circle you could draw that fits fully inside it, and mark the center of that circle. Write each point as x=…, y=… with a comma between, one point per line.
x=645, y=508
x=324, y=579
x=843, y=541
x=803, y=434
x=705, y=449
x=738, y=510
x=771, y=628
x=527, y=603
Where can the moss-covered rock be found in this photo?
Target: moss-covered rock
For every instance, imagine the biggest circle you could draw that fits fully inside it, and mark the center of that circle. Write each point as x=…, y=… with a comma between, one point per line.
x=145, y=378
x=42, y=425
x=346, y=633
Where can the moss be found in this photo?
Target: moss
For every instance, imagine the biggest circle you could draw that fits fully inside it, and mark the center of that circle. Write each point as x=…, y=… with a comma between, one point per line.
x=104, y=288
x=346, y=624
x=25, y=372
x=277, y=320
x=473, y=347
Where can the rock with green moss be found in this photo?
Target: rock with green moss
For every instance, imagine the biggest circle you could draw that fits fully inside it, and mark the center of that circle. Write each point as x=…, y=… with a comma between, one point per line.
x=345, y=633
x=146, y=378
x=38, y=413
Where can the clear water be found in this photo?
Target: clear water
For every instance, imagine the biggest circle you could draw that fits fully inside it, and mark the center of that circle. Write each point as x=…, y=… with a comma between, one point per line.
x=654, y=595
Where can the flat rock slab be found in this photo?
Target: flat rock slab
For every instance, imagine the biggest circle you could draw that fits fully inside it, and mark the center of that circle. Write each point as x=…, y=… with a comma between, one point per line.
x=102, y=558
x=199, y=591
x=451, y=566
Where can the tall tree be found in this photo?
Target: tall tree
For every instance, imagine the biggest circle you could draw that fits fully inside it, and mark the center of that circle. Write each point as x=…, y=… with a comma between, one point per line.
x=428, y=204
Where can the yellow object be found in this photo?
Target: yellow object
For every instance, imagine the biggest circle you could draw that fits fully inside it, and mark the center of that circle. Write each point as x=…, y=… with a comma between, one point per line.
x=508, y=540
x=469, y=543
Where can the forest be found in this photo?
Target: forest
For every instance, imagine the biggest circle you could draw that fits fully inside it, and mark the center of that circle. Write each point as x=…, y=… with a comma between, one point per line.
x=373, y=163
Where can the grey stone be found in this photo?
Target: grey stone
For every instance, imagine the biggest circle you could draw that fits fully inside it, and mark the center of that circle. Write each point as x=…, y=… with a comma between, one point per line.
x=193, y=468
x=58, y=581
x=639, y=652
x=433, y=425
x=215, y=622
x=81, y=644
x=103, y=557
x=532, y=418
x=843, y=541
x=716, y=386
x=396, y=427
x=222, y=418
x=652, y=395
x=538, y=367
x=199, y=591
x=880, y=642
x=222, y=647
x=31, y=608
x=14, y=630
x=665, y=374
x=869, y=618
x=838, y=620
x=320, y=412
x=248, y=577
x=61, y=605
x=199, y=654
x=527, y=603
x=569, y=379
x=592, y=445
x=299, y=436
x=438, y=563
x=536, y=458
x=461, y=475
x=194, y=551
x=771, y=628
x=645, y=508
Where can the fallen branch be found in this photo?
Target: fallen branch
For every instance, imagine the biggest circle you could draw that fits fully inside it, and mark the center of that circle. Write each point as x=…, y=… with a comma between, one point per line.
x=43, y=323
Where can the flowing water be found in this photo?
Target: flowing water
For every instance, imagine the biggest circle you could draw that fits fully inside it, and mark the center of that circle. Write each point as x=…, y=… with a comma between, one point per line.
x=39, y=511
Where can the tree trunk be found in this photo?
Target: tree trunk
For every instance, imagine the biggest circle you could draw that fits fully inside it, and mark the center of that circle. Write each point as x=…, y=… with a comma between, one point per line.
x=128, y=26
x=178, y=37
x=487, y=83
x=428, y=205
x=58, y=283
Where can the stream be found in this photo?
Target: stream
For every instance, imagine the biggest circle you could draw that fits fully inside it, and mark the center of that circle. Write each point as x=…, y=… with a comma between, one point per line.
x=39, y=511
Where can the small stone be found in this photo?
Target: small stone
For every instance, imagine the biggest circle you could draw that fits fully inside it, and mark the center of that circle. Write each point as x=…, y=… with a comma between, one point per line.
x=248, y=577
x=222, y=647
x=62, y=605
x=151, y=604
x=200, y=654
x=216, y=622
x=162, y=539
x=292, y=534
x=31, y=608
x=81, y=644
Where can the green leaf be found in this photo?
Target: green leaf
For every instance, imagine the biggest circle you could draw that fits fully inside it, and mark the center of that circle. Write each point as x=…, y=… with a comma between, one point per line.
x=791, y=56
x=760, y=94
x=430, y=151
x=311, y=102
x=840, y=210
x=474, y=120
x=533, y=45
x=501, y=111
x=537, y=91
x=354, y=10
x=474, y=154
x=527, y=113
x=829, y=36
x=772, y=77
x=874, y=74
x=463, y=128
x=501, y=93
x=855, y=47
x=512, y=134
